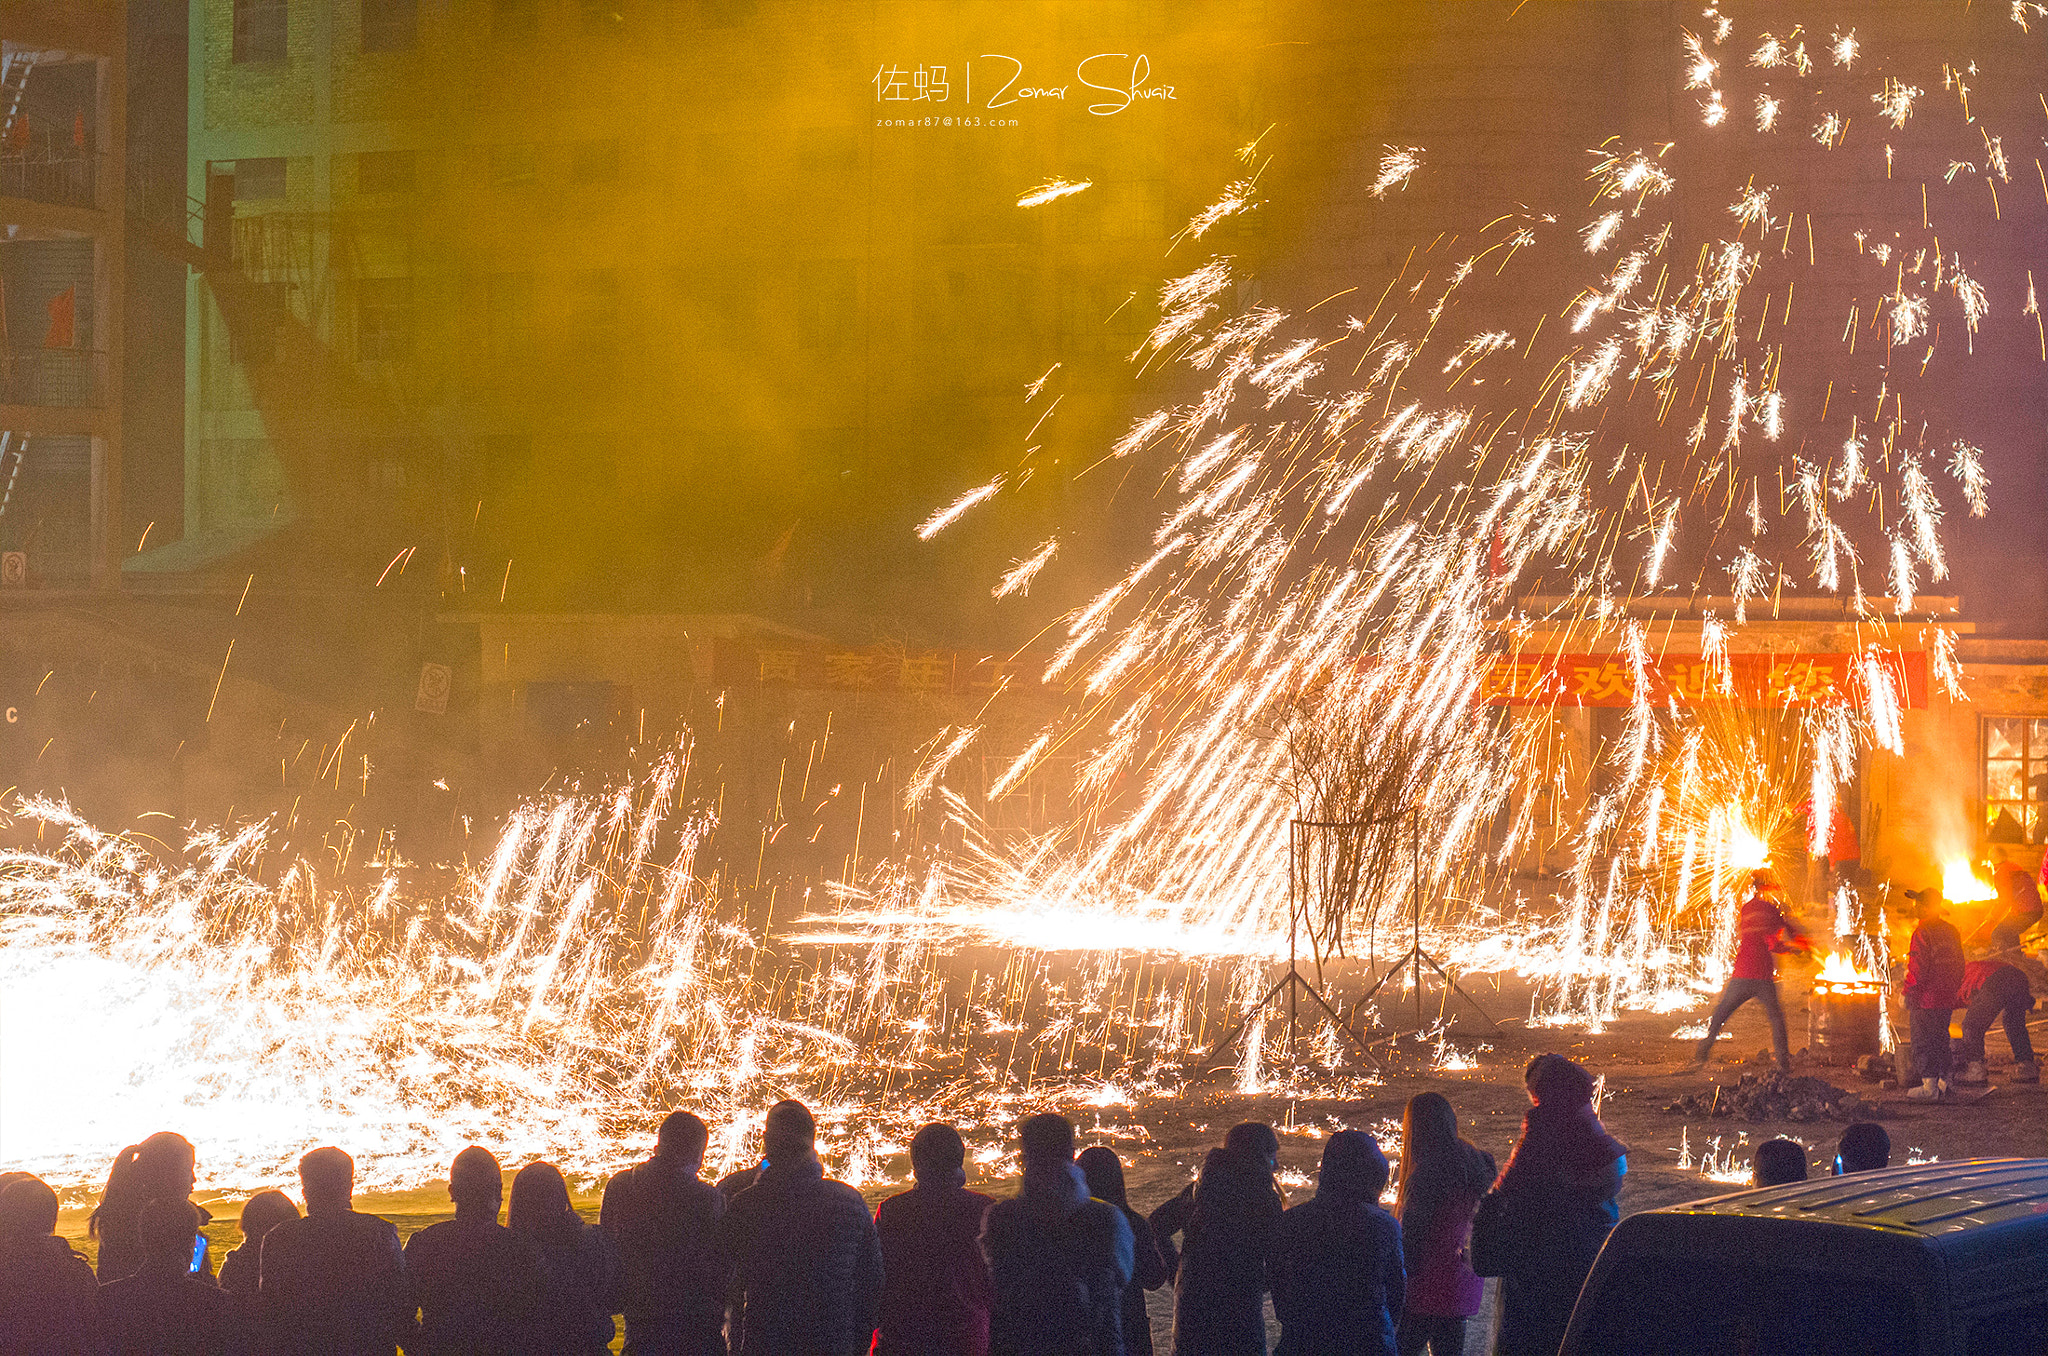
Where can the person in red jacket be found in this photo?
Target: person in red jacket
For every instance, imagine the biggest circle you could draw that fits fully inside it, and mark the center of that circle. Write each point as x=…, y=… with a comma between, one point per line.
x=1934, y=976
x=1993, y=990
x=2018, y=908
x=1762, y=933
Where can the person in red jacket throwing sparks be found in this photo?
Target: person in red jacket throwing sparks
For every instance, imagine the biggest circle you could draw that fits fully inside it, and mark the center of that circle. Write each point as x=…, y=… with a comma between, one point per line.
x=1763, y=932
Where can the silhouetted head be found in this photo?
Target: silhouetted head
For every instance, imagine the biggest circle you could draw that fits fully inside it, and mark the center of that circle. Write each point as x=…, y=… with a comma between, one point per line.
x=1779, y=1161
x=1554, y=1080
x=1255, y=1142
x=938, y=1157
x=540, y=1201
x=682, y=1137
x=163, y=1165
x=1353, y=1166
x=1104, y=1172
x=1429, y=1134
x=1927, y=903
x=168, y=1225
x=790, y=1131
x=327, y=1179
x=1864, y=1147
x=265, y=1211
x=1764, y=881
x=28, y=1209
x=1046, y=1138
x=476, y=1182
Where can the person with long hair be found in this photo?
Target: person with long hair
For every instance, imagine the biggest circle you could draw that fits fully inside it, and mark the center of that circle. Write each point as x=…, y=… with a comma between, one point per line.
x=1557, y=1203
x=1443, y=1178
x=1104, y=1173
x=581, y=1282
x=1226, y=1221
x=162, y=1167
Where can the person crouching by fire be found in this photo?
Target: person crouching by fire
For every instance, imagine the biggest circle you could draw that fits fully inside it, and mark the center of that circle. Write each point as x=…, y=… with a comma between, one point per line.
x=1934, y=978
x=1992, y=991
x=1763, y=932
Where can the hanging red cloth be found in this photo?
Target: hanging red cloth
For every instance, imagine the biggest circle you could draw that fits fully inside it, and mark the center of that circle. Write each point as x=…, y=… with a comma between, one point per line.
x=63, y=320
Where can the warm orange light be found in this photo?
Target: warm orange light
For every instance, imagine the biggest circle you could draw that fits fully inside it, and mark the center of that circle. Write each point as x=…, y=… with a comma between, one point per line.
x=1841, y=972
x=1961, y=885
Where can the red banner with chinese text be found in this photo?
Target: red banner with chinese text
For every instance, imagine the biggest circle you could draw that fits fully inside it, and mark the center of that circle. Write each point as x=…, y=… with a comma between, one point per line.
x=870, y=668
x=1688, y=679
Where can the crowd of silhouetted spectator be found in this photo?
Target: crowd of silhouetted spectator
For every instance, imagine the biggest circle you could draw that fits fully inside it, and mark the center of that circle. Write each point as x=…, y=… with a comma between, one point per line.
x=779, y=1260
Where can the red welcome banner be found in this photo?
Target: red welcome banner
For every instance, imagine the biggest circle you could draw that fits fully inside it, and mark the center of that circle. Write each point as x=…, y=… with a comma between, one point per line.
x=1689, y=679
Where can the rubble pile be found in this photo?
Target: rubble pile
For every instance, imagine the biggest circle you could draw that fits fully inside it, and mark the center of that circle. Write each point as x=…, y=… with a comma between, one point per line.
x=1774, y=1097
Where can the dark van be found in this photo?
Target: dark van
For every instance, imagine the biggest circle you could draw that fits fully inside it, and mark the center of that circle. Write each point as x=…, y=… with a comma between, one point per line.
x=1943, y=1258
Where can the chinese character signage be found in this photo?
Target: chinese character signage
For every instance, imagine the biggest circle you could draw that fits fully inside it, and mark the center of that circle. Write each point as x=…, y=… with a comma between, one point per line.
x=769, y=662
x=1687, y=679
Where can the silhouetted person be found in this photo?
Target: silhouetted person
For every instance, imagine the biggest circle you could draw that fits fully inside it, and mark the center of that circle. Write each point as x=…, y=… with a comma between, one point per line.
x=580, y=1277
x=1335, y=1268
x=1226, y=1222
x=807, y=1264
x=476, y=1281
x=1934, y=977
x=1864, y=1147
x=48, y=1305
x=1559, y=1192
x=1993, y=991
x=1058, y=1259
x=664, y=1218
x=333, y=1283
x=1104, y=1173
x=163, y=1309
x=260, y=1214
x=162, y=1167
x=1779, y=1162
x=935, y=1292
x=1443, y=1179
x=1763, y=933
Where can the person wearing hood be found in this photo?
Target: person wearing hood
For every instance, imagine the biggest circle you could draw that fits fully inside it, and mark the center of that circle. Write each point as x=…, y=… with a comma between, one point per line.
x=48, y=1304
x=1443, y=1178
x=1335, y=1267
x=1557, y=1204
x=162, y=1308
x=807, y=1263
x=935, y=1296
x=1104, y=1172
x=1058, y=1259
x=1226, y=1222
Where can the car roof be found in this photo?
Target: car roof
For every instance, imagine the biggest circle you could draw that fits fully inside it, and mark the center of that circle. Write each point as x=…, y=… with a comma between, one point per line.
x=1934, y=1201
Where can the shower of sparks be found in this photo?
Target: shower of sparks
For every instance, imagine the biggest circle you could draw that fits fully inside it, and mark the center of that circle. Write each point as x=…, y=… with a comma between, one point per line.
x=1397, y=167
x=1052, y=190
x=1352, y=532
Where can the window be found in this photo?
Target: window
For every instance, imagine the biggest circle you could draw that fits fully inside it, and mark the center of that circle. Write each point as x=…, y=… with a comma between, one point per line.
x=512, y=165
x=825, y=302
x=2015, y=778
x=385, y=172
x=259, y=179
x=508, y=312
x=383, y=319
x=390, y=25
x=515, y=18
x=594, y=162
x=259, y=30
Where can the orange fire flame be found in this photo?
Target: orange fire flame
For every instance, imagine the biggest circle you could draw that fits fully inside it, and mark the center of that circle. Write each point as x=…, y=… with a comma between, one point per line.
x=1841, y=974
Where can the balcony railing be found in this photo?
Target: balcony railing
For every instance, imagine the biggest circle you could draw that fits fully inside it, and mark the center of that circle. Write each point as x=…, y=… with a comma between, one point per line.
x=42, y=164
x=64, y=377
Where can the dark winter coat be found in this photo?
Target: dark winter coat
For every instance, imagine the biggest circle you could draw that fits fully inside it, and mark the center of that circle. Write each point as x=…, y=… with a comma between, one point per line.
x=935, y=1290
x=1436, y=1232
x=1148, y=1272
x=478, y=1285
x=665, y=1223
x=48, y=1299
x=1560, y=1191
x=580, y=1287
x=333, y=1284
x=808, y=1266
x=1226, y=1223
x=120, y=1251
x=1058, y=1262
x=1337, y=1276
x=154, y=1313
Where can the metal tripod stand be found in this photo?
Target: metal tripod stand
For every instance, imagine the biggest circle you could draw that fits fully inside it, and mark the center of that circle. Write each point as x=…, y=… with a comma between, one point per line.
x=1414, y=958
